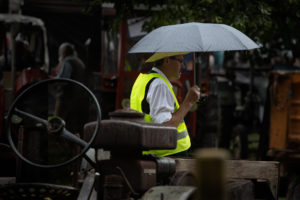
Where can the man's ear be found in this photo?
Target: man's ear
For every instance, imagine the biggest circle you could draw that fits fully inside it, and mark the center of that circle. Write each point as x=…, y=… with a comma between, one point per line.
x=166, y=60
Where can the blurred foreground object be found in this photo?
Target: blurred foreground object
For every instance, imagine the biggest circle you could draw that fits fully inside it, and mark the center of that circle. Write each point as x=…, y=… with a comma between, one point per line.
x=211, y=173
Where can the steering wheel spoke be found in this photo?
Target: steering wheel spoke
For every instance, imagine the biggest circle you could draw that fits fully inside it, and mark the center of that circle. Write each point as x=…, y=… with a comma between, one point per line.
x=30, y=116
x=73, y=138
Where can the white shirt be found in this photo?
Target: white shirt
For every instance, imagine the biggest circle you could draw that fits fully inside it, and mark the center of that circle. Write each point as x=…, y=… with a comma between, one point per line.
x=160, y=99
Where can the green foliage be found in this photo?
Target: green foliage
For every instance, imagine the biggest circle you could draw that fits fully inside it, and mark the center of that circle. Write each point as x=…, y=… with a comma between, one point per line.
x=263, y=20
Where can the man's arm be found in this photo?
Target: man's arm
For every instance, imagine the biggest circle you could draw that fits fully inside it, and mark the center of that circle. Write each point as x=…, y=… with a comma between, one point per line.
x=192, y=96
x=65, y=70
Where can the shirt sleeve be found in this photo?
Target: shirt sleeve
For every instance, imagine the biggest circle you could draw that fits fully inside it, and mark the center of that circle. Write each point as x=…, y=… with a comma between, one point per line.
x=161, y=101
x=65, y=70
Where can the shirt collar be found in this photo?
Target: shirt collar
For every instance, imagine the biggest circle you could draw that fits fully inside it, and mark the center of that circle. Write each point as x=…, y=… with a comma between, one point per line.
x=161, y=73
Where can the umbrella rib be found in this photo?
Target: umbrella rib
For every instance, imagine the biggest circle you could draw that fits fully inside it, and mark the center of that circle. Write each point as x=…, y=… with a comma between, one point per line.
x=238, y=39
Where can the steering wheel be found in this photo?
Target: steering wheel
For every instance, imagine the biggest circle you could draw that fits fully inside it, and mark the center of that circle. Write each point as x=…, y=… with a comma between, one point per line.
x=45, y=123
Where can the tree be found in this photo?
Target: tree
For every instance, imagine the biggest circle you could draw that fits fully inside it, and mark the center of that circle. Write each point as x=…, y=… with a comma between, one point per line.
x=266, y=21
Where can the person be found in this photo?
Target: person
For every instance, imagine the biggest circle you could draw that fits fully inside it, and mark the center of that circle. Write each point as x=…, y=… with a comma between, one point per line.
x=72, y=104
x=70, y=66
x=152, y=94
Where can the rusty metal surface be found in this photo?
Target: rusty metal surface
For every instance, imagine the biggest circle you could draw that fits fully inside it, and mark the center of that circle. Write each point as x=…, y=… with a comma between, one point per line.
x=166, y=167
x=120, y=134
x=127, y=114
x=242, y=169
x=113, y=187
x=183, y=178
x=241, y=189
x=7, y=180
x=170, y=193
x=140, y=174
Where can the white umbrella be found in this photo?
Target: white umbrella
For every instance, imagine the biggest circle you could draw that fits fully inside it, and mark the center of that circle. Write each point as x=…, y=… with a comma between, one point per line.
x=193, y=37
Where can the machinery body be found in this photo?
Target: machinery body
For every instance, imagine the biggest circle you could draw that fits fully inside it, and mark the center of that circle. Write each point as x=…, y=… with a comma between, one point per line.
x=129, y=173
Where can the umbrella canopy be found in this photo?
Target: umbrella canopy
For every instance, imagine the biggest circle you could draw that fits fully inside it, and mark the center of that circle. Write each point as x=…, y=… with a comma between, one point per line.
x=193, y=37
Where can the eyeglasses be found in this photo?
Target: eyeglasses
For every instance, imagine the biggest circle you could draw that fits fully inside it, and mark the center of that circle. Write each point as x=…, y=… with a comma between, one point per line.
x=177, y=59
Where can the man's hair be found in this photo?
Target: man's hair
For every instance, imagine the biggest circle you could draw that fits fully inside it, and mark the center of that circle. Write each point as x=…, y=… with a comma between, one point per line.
x=67, y=49
x=158, y=63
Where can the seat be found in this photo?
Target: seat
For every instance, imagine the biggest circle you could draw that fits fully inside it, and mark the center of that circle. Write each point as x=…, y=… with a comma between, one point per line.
x=121, y=134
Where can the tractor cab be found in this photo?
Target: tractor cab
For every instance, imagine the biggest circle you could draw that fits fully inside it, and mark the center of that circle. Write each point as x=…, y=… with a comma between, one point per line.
x=23, y=56
x=23, y=61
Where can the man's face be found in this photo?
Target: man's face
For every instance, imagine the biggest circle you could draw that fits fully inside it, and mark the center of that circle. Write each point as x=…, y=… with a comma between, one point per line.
x=175, y=66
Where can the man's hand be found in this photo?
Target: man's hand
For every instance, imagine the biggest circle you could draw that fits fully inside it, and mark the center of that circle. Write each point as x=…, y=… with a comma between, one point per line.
x=192, y=96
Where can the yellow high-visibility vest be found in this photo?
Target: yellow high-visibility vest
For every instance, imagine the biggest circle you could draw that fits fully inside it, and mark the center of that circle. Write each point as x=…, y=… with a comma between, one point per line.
x=138, y=102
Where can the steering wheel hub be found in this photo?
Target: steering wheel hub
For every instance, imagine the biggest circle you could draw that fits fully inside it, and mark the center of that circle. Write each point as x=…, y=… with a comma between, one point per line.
x=55, y=125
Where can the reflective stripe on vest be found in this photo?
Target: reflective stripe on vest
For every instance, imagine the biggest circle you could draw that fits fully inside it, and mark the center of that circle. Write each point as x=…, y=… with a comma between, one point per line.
x=182, y=134
x=136, y=98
